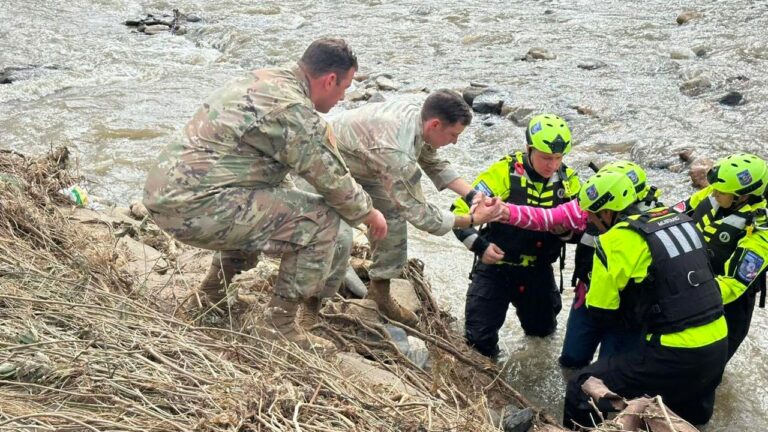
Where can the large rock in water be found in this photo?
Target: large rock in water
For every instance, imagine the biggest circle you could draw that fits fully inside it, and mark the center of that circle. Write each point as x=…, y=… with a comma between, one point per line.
x=731, y=99
x=537, y=53
x=470, y=93
x=12, y=74
x=490, y=102
x=687, y=16
x=695, y=86
x=680, y=53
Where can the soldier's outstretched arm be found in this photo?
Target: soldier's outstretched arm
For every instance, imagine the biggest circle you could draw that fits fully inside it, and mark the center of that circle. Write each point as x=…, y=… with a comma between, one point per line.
x=493, y=182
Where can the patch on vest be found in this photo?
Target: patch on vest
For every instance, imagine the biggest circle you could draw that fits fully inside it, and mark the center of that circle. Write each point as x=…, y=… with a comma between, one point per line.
x=483, y=187
x=724, y=237
x=680, y=207
x=744, y=177
x=750, y=267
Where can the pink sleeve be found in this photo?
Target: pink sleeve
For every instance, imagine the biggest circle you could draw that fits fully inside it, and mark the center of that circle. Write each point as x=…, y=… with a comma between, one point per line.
x=568, y=215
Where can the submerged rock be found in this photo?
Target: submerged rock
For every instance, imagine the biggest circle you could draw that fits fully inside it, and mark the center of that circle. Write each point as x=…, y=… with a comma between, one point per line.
x=731, y=99
x=490, y=101
x=695, y=86
x=591, y=65
x=537, y=53
x=520, y=116
x=154, y=24
x=687, y=16
x=682, y=54
x=12, y=74
x=517, y=420
x=357, y=95
x=470, y=93
x=386, y=84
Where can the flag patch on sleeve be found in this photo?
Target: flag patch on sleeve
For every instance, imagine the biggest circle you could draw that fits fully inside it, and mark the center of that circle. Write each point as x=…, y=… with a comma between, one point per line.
x=749, y=267
x=483, y=187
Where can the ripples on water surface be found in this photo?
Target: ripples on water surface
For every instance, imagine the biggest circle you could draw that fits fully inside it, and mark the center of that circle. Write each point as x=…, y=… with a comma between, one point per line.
x=116, y=98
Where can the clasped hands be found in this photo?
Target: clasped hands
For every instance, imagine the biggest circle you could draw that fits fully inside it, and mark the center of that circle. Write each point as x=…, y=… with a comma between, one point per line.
x=486, y=209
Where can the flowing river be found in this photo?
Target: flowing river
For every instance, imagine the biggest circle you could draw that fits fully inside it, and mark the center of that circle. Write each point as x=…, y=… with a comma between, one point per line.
x=116, y=97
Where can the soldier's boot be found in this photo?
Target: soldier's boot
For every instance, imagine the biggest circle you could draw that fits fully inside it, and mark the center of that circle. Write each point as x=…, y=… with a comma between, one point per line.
x=279, y=322
x=378, y=291
x=310, y=313
x=224, y=266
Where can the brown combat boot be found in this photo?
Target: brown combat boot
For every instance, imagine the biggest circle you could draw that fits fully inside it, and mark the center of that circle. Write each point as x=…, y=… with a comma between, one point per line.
x=310, y=313
x=224, y=266
x=378, y=291
x=279, y=321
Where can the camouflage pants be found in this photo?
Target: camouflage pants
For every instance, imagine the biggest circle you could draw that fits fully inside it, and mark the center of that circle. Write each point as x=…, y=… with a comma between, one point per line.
x=298, y=226
x=339, y=263
x=389, y=255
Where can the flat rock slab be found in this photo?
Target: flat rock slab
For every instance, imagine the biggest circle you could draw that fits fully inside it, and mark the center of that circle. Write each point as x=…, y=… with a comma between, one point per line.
x=356, y=368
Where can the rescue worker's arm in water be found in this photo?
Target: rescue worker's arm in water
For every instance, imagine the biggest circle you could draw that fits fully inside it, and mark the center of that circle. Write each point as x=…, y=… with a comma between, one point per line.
x=494, y=182
x=748, y=261
x=621, y=257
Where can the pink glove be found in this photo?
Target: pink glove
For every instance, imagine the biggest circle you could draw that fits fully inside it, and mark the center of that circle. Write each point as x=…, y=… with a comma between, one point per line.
x=568, y=215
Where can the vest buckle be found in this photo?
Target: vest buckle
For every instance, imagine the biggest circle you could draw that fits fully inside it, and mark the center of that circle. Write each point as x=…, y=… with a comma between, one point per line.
x=691, y=277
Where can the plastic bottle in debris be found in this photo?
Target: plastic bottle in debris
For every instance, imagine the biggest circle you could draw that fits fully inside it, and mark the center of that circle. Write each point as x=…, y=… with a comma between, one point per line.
x=77, y=195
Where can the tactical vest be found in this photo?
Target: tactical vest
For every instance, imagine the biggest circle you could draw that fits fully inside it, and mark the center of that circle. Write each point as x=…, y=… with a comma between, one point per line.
x=516, y=242
x=585, y=249
x=680, y=291
x=723, y=234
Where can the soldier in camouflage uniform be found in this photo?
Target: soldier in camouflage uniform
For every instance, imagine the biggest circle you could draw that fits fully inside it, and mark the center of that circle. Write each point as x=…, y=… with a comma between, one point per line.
x=386, y=146
x=219, y=186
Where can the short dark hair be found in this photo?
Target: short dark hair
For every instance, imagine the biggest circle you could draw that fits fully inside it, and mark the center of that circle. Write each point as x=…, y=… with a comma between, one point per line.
x=327, y=55
x=448, y=106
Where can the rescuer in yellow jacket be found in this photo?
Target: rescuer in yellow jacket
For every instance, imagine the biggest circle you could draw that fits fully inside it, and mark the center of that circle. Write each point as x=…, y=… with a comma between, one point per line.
x=651, y=271
x=731, y=214
x=514, y=265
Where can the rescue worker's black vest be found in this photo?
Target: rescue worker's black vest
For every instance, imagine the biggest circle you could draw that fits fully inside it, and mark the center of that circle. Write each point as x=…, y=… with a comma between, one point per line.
x=516, y=242
x=680, y=291
x=585, y=249
x=721, y=235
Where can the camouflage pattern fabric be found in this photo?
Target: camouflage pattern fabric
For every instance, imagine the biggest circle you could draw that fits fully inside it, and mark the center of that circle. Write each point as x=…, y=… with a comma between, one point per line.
x=339, y=262
x=383, y=147
x=221, y=186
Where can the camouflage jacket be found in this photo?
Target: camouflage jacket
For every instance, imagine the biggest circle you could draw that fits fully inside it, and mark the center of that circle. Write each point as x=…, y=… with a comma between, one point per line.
x=250, y=134
x=383, y=146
